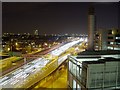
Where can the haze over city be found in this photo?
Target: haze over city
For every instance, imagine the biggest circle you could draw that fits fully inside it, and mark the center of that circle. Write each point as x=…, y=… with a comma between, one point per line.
x=60, y=45
x=56, y=17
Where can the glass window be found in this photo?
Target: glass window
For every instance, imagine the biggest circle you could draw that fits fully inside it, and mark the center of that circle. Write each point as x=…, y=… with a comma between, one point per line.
x=110, y=37
x=110, y=47
x=78, y=87
x=92, y=83
x=111, y=42
x=78, y=73
x=117, y=43
x=74, y=69
x=74, y=84
x=70, y=66
x=117, y=38
x=99, y=79
x=116, y=48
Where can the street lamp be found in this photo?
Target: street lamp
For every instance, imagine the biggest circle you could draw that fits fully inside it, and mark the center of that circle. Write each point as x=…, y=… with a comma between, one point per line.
x=16, y=43
x=8, y=49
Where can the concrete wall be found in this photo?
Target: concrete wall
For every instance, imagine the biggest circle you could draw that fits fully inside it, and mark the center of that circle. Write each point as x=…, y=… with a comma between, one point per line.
x=91, y=30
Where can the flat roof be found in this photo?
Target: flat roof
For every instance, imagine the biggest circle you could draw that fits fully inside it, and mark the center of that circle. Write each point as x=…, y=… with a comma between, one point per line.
x=93, y=62
x=87, y=56
x=101, y=61
x=109, y=59
x=102, y=52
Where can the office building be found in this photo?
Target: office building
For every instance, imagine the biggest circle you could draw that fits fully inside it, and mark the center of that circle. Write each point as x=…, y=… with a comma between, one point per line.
x=94, y=70
x=98, y=68
x=107, y=39
x=113, y=39
x=100, y=41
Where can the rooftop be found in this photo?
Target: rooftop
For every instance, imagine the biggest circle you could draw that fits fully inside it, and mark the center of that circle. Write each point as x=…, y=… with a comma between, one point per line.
x=102, y=52
x=101, y=61
x=93, y=62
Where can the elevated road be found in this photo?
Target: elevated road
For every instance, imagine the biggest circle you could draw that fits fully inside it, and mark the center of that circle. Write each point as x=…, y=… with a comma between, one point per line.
x=7, y=63
x=33, y=72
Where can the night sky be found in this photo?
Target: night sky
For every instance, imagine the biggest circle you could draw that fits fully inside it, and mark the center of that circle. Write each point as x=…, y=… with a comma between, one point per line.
x=56, y=18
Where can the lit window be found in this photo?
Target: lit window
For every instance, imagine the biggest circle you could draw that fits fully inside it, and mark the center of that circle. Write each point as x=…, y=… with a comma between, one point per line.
x=96, y=46
x=117, y=37
x=111, y=42
x=3, y=45
x=116, y=48
x=118, y=43
x=78, y=87
x=110, y=48
x=74, y=84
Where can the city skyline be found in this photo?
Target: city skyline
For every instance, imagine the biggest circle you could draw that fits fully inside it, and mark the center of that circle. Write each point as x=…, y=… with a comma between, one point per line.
x=56, y=17
x=60, y=45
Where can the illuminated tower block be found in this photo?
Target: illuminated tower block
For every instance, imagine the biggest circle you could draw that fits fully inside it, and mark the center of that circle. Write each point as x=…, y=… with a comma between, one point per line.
x=36, y=32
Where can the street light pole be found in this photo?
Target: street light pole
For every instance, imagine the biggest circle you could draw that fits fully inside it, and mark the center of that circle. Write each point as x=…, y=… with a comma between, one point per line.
x=24, y=60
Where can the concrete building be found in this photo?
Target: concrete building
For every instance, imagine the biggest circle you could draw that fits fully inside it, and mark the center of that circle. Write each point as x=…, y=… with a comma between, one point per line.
x=100, y=41
x=98, y=68
x=94, y=70
x=107, y=39
x=113, y=39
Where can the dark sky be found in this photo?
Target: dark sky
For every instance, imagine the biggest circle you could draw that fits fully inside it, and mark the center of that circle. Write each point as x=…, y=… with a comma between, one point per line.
x=56, y=18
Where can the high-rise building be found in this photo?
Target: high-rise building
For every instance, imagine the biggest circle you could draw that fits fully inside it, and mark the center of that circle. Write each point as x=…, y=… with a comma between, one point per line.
x=91, y=28
x=96, y=70
x=100, y=40
x=107, y=39
x=113, y=39
x=36, y=32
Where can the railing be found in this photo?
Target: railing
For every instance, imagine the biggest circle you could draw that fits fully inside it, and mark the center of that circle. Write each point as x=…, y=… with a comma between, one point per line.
x=41, y=74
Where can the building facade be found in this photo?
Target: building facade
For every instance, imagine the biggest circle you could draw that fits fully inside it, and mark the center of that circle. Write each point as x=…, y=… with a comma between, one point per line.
x=98, y=71
x=107, y=39
x=100, y=40
x=113, y=40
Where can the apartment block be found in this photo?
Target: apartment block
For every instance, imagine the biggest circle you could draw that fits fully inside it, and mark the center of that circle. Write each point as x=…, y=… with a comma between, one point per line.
x=94, y=70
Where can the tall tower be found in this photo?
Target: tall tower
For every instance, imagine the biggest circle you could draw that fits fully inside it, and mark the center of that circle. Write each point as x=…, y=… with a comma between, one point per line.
x=36, y=32
x=119, y=15
x=91, y=28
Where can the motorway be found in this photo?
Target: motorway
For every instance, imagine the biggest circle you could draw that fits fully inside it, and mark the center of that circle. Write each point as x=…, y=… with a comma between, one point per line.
x=57, y=79
x=19, y=77
x=21, y=62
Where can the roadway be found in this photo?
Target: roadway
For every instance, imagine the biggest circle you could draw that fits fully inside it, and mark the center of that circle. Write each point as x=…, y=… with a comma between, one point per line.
x=21, y=62
x=23, y=76
x=19, y=75
x=57, y=79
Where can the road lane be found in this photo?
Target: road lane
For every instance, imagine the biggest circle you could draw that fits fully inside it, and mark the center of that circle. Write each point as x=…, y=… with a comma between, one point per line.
x=17, y=79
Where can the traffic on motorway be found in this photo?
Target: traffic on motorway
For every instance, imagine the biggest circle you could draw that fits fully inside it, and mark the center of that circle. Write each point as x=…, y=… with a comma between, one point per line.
x=8, y=81
x=21, y=74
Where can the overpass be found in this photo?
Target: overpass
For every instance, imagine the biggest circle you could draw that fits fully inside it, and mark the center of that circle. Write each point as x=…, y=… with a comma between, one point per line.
x=33, y=72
